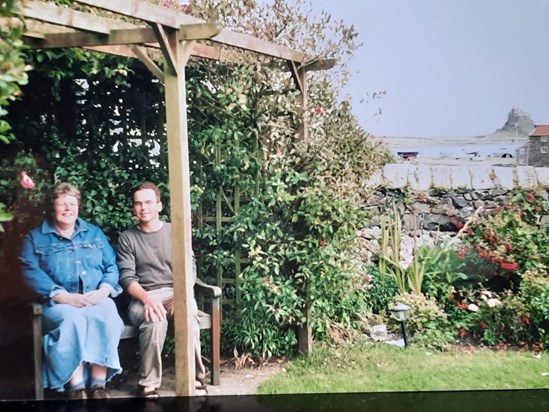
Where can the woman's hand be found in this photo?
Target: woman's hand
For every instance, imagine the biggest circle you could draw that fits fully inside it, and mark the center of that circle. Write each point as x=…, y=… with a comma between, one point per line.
x=78, y=300
x=96, y=295
x=74, y=299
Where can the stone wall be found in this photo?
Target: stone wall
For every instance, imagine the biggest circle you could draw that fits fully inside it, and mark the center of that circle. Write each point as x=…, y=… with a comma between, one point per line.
x=441, y=197
x=476, y=176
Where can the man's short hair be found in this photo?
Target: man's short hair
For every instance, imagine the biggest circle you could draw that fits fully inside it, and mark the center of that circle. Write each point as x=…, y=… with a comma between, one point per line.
x=151, y=186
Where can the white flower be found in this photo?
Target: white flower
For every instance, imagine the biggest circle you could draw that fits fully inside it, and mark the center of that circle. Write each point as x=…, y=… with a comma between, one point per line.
x=472, y=307
x=493, y=302
x=485, y=295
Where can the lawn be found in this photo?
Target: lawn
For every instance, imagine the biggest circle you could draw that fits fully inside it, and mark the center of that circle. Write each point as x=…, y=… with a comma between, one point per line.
x=366, y=367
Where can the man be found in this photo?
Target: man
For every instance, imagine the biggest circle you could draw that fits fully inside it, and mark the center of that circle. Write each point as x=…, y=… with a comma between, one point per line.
x=145, y=263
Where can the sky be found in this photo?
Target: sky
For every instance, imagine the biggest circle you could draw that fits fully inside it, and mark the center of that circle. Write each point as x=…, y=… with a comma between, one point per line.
x=448, y=67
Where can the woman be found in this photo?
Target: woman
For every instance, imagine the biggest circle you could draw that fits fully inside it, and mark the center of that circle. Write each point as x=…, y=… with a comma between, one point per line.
x=71, y=265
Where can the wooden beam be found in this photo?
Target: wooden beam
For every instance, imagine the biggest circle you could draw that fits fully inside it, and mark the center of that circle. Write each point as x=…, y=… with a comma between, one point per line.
x=149, y=63
x=152, y=13
x=166, y=47
x=199, y=31
x=63, y=19
x=143, y=10
x=186, y=48
x=180, y=206
x=294, y=71
x=318, y=64
x=51, y=13
x=83, y=39
x=123, y=51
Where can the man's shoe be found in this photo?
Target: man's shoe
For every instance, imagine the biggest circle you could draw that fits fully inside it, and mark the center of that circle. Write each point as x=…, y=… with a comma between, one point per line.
x=79, y=394
x=100, y=392
x=148, y=392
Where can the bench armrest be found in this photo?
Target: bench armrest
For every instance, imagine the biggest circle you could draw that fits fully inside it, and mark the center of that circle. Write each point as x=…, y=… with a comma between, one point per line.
x=207, y=290
x=36, y=308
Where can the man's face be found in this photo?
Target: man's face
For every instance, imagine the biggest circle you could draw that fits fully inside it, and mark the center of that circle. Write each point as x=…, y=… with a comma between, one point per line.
x=65, y=210
x=145, y=206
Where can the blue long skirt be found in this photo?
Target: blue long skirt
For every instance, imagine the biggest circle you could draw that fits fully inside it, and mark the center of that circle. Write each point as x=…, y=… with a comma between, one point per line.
x=74, y=335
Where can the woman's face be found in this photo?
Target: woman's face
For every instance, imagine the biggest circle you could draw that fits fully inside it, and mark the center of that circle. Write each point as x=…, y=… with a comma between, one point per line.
x=65, y=210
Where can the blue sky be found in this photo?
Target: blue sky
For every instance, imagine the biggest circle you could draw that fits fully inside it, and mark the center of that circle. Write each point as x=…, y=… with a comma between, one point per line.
x=448, y=67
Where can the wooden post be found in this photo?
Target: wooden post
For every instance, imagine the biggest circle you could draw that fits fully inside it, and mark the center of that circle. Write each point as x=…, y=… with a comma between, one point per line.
x=303, y=101
x=305, y=335
x=180, y=202
x=37, y=350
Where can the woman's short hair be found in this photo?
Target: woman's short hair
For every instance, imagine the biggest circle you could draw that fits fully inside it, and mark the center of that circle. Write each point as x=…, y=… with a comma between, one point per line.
x=64, y=189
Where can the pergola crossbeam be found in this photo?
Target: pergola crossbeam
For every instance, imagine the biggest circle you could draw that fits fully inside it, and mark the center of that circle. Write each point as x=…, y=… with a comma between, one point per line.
x=166, y=47
x=51, y=13
x=199, y=31
x=170, y=18
x=149, y=63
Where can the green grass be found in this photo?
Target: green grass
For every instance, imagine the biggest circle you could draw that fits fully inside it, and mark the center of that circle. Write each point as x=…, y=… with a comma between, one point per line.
x=369, y=367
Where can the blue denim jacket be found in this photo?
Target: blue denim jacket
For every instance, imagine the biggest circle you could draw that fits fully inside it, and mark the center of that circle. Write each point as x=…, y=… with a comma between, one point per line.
x=54, y=264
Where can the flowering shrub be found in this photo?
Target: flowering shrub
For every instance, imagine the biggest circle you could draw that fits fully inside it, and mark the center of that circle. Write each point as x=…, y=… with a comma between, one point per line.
x=489, y=318
x=499, y=248
x=501, y=321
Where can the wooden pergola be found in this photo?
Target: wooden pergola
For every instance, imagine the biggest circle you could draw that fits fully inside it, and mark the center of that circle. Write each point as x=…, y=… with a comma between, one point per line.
x=174, y=36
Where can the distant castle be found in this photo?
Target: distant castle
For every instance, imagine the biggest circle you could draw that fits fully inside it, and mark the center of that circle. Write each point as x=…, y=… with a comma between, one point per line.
x=519, y=121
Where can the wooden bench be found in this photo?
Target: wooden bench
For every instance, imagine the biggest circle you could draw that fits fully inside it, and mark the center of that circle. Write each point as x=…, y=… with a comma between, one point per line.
x=208, y=320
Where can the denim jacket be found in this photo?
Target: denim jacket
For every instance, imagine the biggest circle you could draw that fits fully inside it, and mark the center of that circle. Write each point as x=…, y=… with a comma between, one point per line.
x=54, y=264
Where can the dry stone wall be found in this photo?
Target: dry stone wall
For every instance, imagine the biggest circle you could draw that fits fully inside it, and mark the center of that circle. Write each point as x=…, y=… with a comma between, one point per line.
x=440, y=197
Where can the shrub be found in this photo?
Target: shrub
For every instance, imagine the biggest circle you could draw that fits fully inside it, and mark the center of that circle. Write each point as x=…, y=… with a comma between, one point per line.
x=303, y=260
x=535, y=295
x=381, y=290
x=426, y=322
x=500, y=247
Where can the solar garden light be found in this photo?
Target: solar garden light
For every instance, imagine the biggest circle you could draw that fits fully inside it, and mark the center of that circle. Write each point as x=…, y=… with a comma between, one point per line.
x=400, y=312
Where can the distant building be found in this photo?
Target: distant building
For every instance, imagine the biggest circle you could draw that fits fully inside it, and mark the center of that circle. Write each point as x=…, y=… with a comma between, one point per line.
x=536, y=151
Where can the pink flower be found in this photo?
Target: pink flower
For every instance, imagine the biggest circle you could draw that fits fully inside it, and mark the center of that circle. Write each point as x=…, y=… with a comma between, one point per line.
x=26, y=182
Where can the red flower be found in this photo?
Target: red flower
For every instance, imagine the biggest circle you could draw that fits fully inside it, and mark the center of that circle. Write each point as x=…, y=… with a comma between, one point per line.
x=323, y=243
x=531, y=198
x=511, y=266
x=462, y=252
x=462, y=333
x=482, y=325
x=525, y=320
x=26, y=182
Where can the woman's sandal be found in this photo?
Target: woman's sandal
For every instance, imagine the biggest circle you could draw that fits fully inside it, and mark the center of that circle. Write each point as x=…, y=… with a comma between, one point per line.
x=148, y=393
